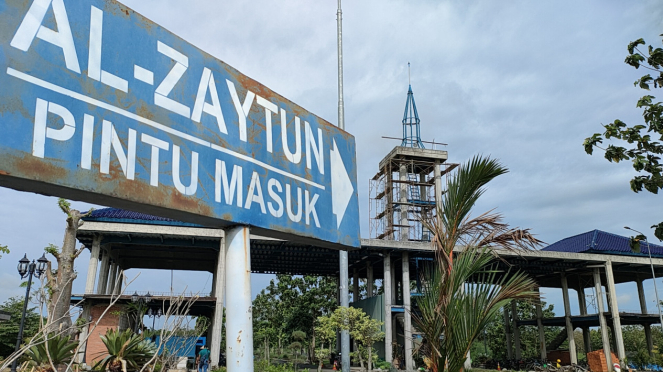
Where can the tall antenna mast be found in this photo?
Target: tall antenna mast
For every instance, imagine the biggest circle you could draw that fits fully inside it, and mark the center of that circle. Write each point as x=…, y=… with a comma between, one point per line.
x=342, y=255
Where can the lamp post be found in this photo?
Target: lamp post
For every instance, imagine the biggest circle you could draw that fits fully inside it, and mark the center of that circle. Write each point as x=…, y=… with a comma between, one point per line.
x=29, y=269
x=140, y=300
x=154, y=314
x=651, y=264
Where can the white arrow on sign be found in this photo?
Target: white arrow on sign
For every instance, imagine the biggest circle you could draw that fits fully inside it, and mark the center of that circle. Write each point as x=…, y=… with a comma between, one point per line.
x=341, y=185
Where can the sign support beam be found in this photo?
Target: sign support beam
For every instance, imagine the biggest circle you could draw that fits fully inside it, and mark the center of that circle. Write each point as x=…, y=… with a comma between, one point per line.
x=239, y=318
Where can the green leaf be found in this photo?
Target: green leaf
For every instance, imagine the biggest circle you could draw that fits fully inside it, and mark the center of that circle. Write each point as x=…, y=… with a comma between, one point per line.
x=592, y=141
x=632, y=45
x=658, y=232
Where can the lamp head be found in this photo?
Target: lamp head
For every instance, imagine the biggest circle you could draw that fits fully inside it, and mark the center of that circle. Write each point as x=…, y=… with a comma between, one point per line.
x=134, y=297
x=23, y=265
x=41, y=265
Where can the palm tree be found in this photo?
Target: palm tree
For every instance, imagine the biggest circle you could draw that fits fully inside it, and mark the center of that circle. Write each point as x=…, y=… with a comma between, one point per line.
x=467, y=288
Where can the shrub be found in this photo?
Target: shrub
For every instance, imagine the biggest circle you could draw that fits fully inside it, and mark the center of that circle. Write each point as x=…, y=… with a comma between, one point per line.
x=125, y=349
x=59, y=348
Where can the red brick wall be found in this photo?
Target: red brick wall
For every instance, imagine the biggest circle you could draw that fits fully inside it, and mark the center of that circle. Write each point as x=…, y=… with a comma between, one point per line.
x=96, y=350
x=597, y=362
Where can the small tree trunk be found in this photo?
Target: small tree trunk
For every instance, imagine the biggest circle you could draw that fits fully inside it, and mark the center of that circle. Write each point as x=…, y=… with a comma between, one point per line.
x=311, y=347
x=60, y=284
x=361, y=359
x=320, y=360
x=370, y=359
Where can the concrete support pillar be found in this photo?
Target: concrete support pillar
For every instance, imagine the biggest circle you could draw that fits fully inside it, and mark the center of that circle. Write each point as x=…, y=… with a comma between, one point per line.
x=539, y=324
x=516, y=330
x=239, y=321
x=218, y=293
x=616, y=321
x=405, y=231
x=119, y=282
x=582, y=303
x=438, y=185
x=112, y=277
x=103, y=271
x=407, y=315
x=569, y=326
x=369, y=279
x=93, y=265
x=387, y=293
x=643, y=310
x=85, y=315
x=507, y=332
x=602, y=321
x=355, y=285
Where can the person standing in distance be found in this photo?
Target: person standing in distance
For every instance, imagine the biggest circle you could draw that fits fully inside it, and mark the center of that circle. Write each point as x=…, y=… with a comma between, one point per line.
x=203, y=359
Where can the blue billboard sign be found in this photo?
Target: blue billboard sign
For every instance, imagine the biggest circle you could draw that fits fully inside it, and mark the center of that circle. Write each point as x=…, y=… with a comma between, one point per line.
x=99, y=104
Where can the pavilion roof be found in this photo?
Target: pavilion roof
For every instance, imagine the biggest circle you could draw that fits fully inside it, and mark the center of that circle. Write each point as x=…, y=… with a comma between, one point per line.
x=601, y=242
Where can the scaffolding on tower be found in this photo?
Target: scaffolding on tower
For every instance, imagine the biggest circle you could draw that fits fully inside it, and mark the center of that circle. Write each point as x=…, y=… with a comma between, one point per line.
x=405, y=191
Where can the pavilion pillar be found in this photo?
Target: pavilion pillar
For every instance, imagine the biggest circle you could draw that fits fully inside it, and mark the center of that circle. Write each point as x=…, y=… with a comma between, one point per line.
x=103, y=271
x=85, y=315
x=569, y=326
x=602, y=321
x=119, y=282
x=387, y=289
x=437, y=172
x=643, y=310
x=218, y=293
x=616, y=321
x=539, y=324
x=112, y=277
x=355, y=284
x=507, y=332
x=93, y=265
x=516, y=330
x=369, y=279
x=407, y=315
x=582, y=303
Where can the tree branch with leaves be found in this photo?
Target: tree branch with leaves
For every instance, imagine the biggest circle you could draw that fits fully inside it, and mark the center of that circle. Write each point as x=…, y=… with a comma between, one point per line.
x=642, y=142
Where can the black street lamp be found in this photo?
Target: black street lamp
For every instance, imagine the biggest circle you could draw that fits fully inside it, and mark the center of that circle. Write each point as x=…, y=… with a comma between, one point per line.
x=154, y=314
x=140, y=300
x=29, y=269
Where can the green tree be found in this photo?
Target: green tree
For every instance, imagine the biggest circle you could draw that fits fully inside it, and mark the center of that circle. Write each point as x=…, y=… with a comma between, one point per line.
x=363, y=330
x=326, y=330
x=9, y=328
x=467, y=288
x=367, y=332
x=643, y=148
x=3, y=250
x=293, y=303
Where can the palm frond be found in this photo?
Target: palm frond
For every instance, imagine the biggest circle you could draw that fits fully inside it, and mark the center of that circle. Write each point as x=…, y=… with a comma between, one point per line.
x=470, y=283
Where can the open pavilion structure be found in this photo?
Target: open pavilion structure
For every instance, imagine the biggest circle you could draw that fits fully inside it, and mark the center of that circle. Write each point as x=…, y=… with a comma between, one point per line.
x=593, y=262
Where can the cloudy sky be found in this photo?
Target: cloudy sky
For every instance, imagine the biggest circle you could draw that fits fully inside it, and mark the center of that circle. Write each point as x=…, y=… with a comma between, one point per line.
x=521, y=81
